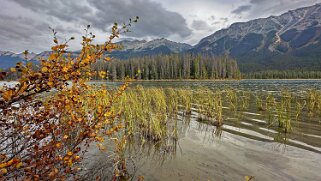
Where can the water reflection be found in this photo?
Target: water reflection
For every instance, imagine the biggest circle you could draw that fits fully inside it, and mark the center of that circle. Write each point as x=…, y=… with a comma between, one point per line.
x=145, y=157
x=248, y=136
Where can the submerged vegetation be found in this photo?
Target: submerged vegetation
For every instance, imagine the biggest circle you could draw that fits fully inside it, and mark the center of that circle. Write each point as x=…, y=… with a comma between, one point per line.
x=151, y=112
x=151, y=115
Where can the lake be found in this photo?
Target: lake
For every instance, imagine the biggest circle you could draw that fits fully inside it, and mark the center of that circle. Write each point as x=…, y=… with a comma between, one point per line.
x=246, y=145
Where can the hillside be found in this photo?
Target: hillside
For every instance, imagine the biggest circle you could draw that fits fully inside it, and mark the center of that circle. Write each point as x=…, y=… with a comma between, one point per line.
x=291, y=41
x=288, y=41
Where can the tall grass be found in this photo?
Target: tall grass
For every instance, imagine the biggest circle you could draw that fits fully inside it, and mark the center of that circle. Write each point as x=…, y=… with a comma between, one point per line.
x=152, y=112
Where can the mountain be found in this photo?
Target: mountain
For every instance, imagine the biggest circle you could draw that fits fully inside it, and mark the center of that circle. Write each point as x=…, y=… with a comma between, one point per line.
x=142, y=48
x=289, y=41
x=128, y=49
x=9, y=59
x=286, y=42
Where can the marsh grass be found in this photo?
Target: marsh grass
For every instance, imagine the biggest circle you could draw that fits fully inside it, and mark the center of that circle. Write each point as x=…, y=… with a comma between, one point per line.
x=244, y=100
x=259, y=102
x=313, y=101
x=232, y=99
x=152, y=112
x=153, y=117
x=210, y=106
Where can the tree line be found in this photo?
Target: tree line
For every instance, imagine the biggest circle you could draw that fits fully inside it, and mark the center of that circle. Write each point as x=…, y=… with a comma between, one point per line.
x=283, y=74
x=176, y=66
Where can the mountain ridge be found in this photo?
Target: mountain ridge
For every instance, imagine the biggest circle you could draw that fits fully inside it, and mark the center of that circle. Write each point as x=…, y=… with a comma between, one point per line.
x=291, y=40
x=263, y=42
x=129, y=48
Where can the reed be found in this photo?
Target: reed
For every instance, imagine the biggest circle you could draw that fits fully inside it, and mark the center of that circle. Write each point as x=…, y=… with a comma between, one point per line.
x=232, y=99
x=284, y=111
x=218, y=108
x=185, y=99
x=154, y=115
x=313, y=101
x=259, y=102
x=299, y=108
x=244, y=100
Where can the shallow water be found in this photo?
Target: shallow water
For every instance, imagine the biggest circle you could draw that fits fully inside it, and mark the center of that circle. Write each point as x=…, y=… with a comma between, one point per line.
x=259, y=85
x=246, y=145
x=203, y=156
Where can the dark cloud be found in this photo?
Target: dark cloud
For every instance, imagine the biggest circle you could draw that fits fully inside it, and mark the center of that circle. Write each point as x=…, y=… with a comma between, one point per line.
x=224, y=20
x=264, y=8
x=24, y=23
x=18, y=33
x=216, y=23
x=212, y=18
x=257, y=1
x=64, y=10
x=154, y=19
x=242, y=9
x=200, y=25
x=101, y=14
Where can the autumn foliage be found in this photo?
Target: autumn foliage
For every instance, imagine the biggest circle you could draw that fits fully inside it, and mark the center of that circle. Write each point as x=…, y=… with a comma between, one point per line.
x=44, y=126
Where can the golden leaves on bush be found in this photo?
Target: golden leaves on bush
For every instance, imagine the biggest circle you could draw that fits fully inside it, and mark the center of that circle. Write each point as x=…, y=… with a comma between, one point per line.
x=54, y=127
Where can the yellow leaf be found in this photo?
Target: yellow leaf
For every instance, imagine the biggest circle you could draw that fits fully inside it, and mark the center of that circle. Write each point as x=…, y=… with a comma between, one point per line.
x=4, y=171
x=65, y=69
x=248, y=178
x=7, y=95
x=69, y=153
x=86, y=60
x=2, y=165
x=107, y=59
x=13, y=70
x=44, y=69
x=58, y=145
x=52, y=57
x=50, y=83
x=19, y=165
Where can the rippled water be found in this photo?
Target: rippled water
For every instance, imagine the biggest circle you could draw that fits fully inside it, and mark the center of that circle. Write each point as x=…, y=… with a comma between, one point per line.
x=265, y=85
x=246, y=145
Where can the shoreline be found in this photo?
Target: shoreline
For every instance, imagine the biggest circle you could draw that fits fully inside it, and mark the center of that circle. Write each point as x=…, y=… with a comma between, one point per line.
x=197, y=80
x=181, y=80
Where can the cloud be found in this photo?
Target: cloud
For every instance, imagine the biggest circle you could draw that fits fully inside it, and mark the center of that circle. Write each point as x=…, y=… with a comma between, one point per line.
x=64, y=10
x=200, y=25
x=18, y=33
x=265, y=8
x=224, y=20
x=24, y=23
x=241, y=9
x=257, y=1
x=154, y=19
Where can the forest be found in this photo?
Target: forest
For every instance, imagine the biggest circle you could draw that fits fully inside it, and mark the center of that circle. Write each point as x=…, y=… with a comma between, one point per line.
x=182, y=66
x=176, y=66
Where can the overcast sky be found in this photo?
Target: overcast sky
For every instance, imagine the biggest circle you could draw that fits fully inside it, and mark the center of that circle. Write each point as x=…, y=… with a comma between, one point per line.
x=24, y=23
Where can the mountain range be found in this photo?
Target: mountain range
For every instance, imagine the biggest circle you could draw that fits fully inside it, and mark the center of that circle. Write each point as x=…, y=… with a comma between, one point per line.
x=289, y=41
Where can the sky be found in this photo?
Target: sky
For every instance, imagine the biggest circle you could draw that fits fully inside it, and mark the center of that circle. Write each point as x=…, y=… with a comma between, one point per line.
x=24, y=24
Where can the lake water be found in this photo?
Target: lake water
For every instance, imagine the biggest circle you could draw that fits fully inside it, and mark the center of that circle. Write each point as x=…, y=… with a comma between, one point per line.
x=246, y=145
x=270, y=85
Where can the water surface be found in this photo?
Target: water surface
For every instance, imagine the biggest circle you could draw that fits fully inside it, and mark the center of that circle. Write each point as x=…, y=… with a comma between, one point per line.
x=246, y=145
